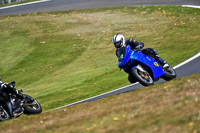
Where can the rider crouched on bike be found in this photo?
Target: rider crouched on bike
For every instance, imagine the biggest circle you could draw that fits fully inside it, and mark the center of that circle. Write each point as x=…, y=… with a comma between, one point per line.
x=5, y=89
x=120, y=45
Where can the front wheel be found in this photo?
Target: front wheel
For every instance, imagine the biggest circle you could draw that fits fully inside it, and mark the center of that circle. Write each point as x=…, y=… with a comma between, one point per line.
x=32, y=107
x=169, y=73
x=4, y=114
x=131, y=79
x=143, y=77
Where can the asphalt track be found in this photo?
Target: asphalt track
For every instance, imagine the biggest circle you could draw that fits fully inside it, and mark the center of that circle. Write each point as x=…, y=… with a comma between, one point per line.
x=189, y=67
x=60, y=5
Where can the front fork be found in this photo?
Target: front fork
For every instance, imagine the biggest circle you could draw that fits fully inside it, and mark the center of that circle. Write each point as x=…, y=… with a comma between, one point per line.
x=9, y=106
x=139, y=67
x=143, y=72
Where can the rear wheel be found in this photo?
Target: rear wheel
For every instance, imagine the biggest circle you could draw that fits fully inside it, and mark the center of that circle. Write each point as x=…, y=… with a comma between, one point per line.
x=33, y=107
x=170, y=73
x=4, y=114
x=143, y=77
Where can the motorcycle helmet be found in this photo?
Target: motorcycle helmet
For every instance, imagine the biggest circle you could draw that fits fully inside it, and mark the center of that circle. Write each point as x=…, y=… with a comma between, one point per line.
x=118, y=40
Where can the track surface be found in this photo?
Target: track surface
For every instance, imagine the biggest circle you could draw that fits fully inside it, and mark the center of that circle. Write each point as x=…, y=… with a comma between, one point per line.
x=60, y=5
x=187, y=68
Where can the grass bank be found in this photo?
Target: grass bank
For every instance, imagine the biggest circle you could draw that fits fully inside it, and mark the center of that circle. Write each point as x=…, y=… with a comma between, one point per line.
x=63, y=57
x=170, y=107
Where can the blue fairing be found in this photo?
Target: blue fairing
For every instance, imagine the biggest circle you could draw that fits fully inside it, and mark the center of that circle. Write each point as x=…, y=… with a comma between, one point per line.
x=132, y=58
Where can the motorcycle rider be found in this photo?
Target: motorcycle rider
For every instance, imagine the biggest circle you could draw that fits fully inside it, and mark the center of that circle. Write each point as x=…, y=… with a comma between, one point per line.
x=120, y=45
x=5, y=89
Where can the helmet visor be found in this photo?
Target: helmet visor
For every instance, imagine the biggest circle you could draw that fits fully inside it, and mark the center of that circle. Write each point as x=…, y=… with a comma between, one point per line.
x=118, y=44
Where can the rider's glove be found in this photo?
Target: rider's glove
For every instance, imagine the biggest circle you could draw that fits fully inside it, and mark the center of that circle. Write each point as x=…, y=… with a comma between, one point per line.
x=133, y=41
x=140, y=45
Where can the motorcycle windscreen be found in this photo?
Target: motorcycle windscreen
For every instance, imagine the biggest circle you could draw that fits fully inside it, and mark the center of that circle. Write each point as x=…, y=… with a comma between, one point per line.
x=126, y=57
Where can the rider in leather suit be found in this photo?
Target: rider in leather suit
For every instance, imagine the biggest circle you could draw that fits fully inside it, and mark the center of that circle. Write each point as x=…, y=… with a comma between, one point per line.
x=5, y=89
x=120, y=45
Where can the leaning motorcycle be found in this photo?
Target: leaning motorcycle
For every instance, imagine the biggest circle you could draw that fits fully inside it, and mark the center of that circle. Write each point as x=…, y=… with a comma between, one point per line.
x=26, y=105
x=143, y=68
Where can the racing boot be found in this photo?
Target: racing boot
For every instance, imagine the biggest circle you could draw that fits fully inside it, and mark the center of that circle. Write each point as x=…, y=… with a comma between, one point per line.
x=19, y=111
x=163, y=63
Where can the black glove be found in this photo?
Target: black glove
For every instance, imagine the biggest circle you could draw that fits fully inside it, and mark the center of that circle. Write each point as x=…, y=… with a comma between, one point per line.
x=133, y=41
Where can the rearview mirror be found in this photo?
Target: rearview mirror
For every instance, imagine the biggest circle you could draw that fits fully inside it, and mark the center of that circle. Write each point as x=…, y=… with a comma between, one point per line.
x=22, y=90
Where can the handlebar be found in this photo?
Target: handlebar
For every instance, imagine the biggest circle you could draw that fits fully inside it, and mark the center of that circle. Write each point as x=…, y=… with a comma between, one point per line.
x=137, y=50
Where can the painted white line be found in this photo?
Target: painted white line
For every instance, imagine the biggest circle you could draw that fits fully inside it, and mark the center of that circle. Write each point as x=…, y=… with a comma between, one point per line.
x=188, y=60
x=24, y=4
x=94, y=97
x=191, y=6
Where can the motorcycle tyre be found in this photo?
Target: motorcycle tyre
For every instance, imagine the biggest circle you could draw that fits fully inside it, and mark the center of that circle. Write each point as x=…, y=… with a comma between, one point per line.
x=169, y=75
x=29, y=110
x=7, y=115
x=131, y=79
x=140, y=79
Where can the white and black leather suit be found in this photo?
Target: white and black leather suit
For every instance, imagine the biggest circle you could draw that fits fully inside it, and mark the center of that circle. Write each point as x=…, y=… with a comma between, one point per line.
x=5, y=89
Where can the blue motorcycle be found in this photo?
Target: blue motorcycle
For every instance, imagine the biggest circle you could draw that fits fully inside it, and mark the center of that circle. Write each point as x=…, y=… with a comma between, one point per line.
x=143, y=68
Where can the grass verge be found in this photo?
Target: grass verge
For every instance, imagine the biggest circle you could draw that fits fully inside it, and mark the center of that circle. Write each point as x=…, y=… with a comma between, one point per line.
x=168, y=107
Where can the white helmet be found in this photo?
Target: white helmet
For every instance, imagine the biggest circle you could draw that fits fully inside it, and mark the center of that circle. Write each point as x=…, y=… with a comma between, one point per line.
x=118, y=40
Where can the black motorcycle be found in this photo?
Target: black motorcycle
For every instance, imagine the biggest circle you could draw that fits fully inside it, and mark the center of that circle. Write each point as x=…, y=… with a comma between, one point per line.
x=27, y=105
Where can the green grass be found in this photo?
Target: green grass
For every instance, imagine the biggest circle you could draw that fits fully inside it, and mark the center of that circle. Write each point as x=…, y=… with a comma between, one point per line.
x=63, y=57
